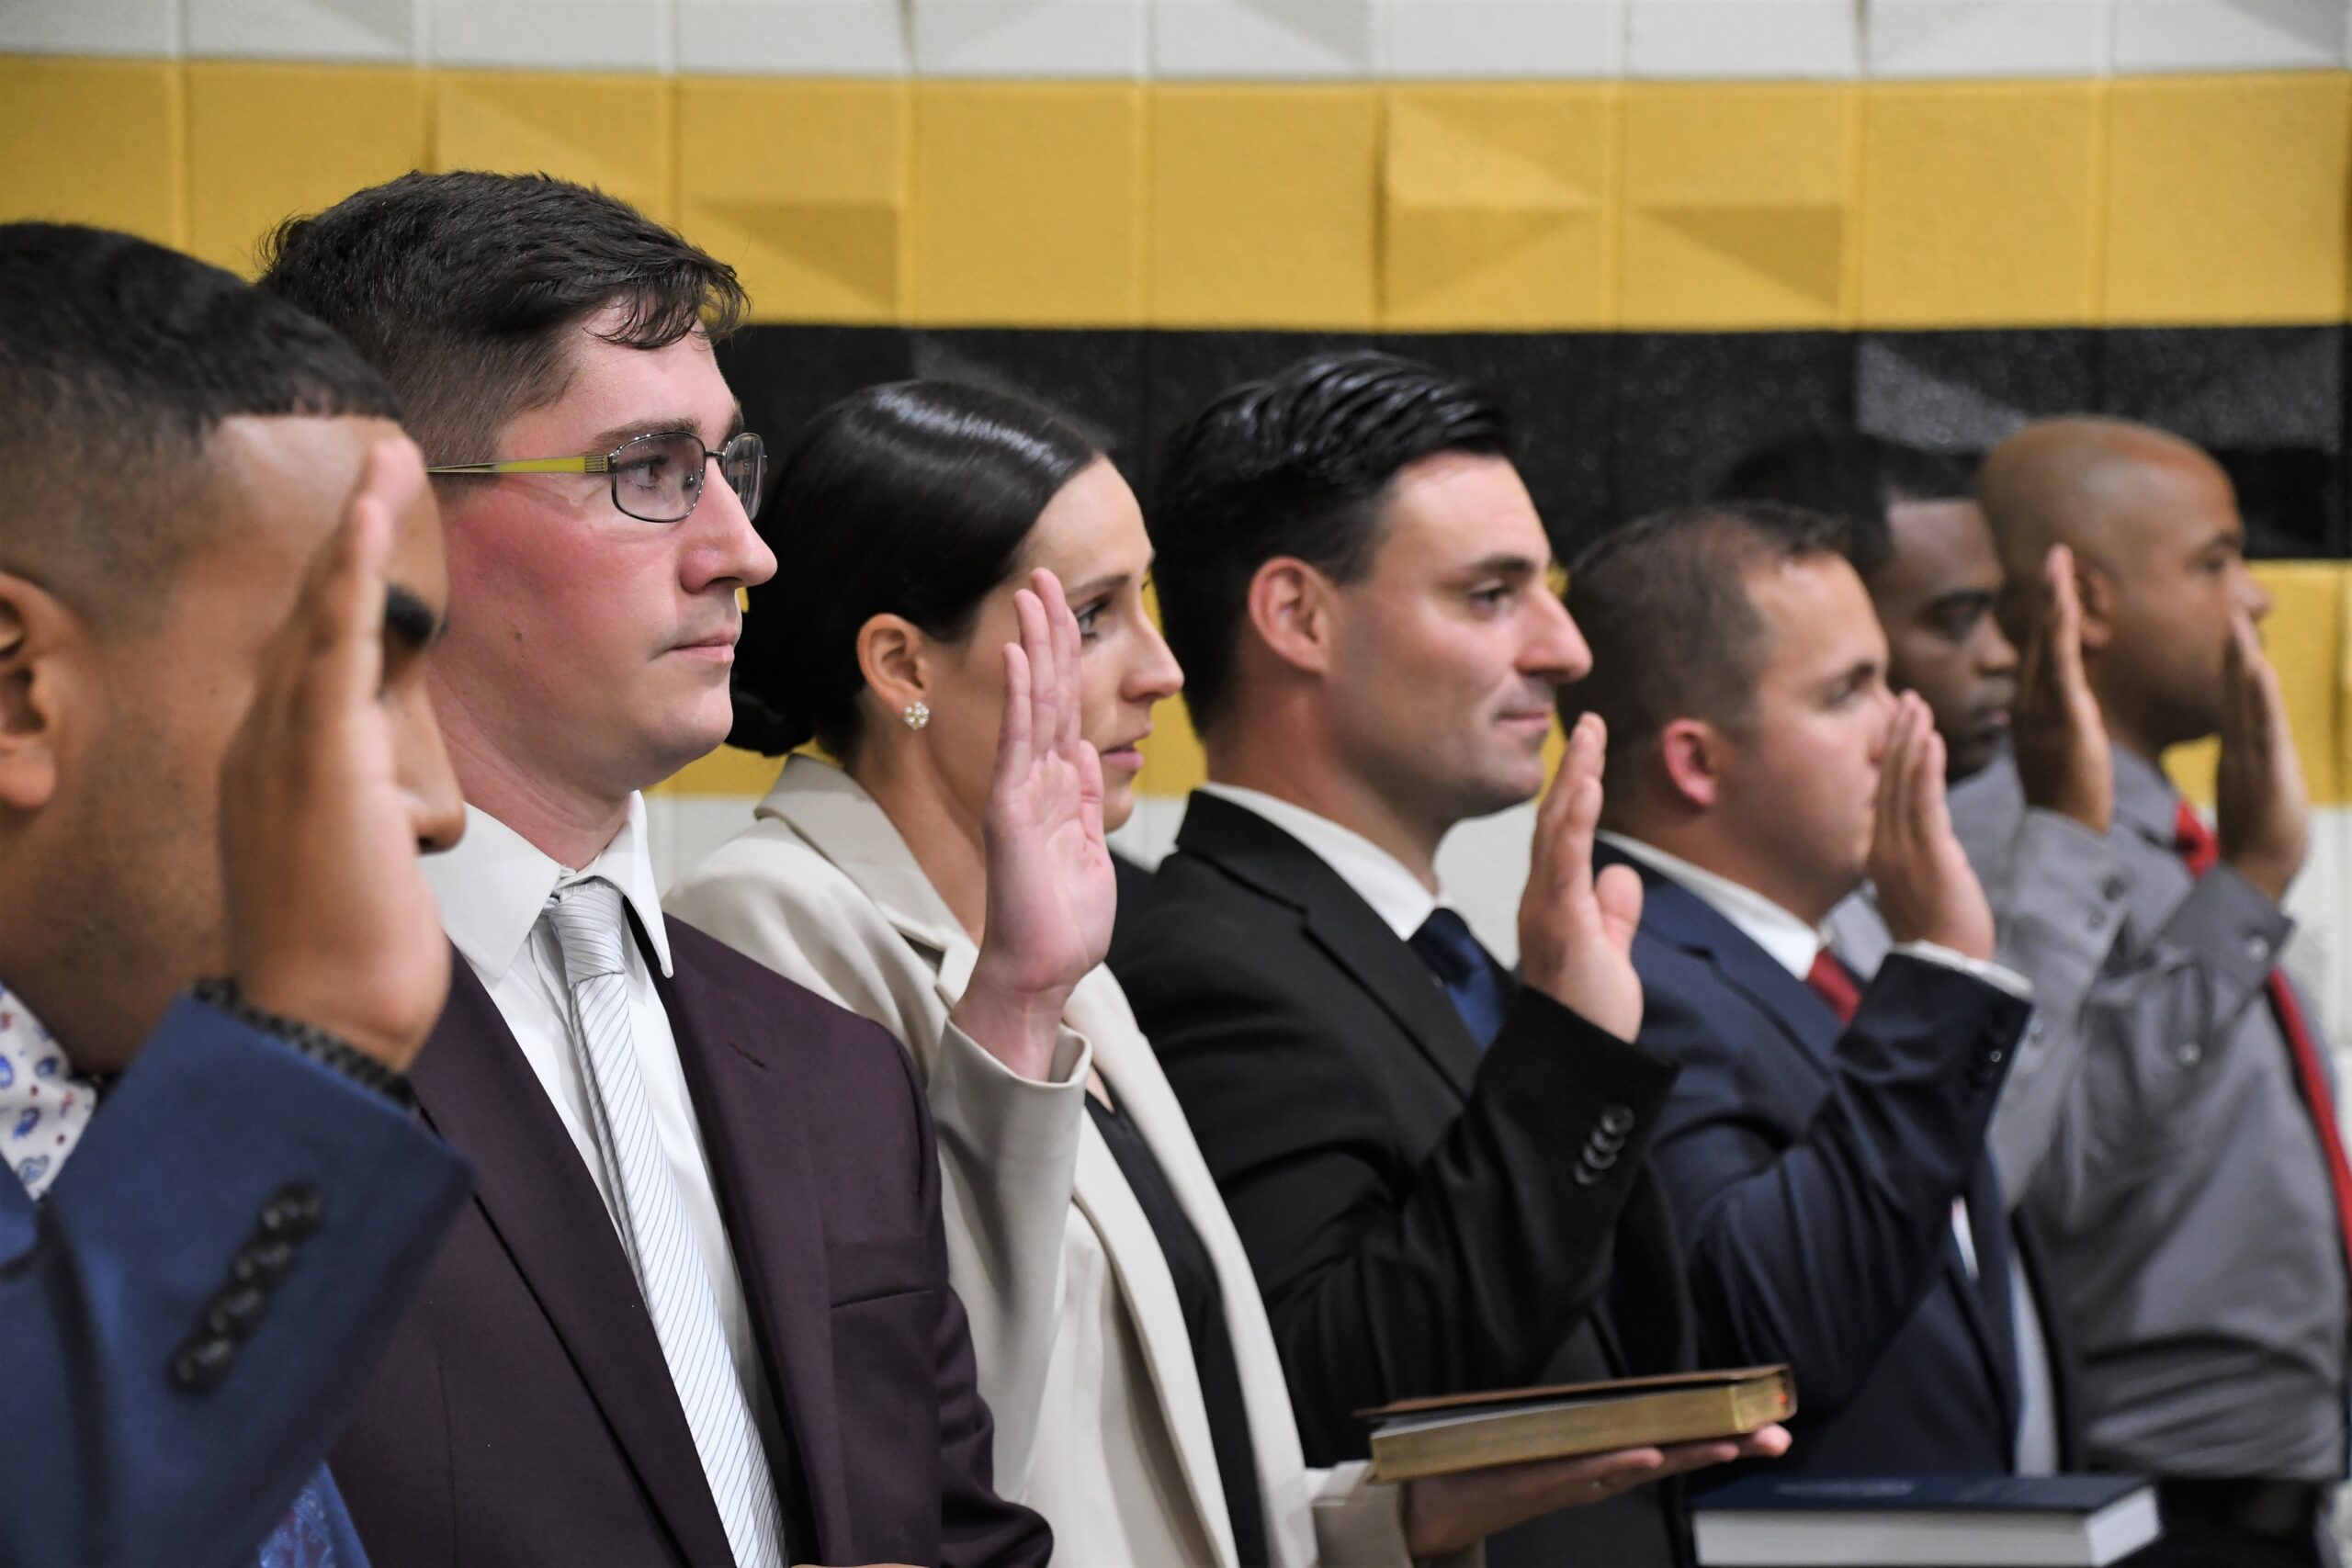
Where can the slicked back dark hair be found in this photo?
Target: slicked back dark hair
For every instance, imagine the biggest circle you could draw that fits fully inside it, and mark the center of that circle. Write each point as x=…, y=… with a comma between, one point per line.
x=1297, y=465
x=1664, y=605
x=914, y=498
x=119, y=360
x=464, y=288
x=1853, y=476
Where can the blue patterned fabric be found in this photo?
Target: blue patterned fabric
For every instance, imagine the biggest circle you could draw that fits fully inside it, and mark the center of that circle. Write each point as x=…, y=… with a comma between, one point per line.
x=316, y=1531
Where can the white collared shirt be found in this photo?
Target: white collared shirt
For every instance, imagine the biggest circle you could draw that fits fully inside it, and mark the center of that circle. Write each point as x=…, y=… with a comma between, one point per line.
x=491, y=889
x=1379, y=878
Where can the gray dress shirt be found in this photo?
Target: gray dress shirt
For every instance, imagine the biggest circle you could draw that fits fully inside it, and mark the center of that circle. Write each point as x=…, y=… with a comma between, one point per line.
x=2195, y=1256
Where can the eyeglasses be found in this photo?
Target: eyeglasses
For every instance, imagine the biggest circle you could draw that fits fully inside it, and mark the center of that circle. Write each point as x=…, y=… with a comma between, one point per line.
x=656, y=478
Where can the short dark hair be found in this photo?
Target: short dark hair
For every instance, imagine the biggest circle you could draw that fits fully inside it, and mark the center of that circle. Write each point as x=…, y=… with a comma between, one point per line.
x=1296, y=464
x=1851, y=476
x=118, y=359
x=1664, y=605
x=914, y=498
x=463, y=289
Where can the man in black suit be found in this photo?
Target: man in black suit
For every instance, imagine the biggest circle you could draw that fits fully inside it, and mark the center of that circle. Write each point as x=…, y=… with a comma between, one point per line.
x=1824, y=1149
x=1438, y=1171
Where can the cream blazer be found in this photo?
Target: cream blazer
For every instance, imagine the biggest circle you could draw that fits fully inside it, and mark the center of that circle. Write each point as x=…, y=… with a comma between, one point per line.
x=1082, y=1351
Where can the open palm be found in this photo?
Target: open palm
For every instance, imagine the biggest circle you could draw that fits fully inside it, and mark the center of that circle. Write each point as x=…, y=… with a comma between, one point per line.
x=1051, y=890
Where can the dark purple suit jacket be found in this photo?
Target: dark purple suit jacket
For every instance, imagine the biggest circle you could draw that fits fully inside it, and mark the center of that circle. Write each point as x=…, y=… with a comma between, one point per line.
x=524, y=1414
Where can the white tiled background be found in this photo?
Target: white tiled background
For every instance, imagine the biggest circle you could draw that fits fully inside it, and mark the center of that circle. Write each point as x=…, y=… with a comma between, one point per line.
x=1289, y=39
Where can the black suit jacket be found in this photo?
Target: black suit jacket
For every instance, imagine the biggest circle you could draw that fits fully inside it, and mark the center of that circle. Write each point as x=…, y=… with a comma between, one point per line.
x=525, y=1415
x=1812, y=1169
x=1423, y=1218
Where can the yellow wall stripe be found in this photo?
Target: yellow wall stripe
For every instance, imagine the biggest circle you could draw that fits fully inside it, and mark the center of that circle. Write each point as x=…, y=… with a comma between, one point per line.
x=2186, y=200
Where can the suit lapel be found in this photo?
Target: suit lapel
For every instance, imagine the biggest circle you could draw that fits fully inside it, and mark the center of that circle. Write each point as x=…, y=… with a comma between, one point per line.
x=768, y=1196
x=1261, y=855
x=1098, y=1011
x=480, y=1095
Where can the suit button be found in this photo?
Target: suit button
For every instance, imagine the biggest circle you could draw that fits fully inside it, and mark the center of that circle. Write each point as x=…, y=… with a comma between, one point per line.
x=2113, y=889
x=1996, y=1056
x=292, y=1212
x=1618, y=1120
x=1602, y=1159
x=1603, y=1139
x=1587, y=1176
x=201, y=1363
x=2189, y=1055
x=262, y=1263
x=235, y=1312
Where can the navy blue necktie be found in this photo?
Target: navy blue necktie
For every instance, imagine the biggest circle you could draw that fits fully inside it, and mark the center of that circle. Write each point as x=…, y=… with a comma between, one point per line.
x=1473, y=983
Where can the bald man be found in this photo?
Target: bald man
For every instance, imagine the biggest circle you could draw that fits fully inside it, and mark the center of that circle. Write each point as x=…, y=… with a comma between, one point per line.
x=2191, y=1177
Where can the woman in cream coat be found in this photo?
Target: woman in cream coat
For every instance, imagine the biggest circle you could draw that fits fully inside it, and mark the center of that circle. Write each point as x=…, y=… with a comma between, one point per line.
x=950, y=881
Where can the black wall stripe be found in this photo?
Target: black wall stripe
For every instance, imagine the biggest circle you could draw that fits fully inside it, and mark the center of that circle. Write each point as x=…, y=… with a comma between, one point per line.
x=1615, y=424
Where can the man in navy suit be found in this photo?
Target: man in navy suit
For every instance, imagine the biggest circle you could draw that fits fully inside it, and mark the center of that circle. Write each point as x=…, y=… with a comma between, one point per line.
x=1824, y=1149
x=194, y=1279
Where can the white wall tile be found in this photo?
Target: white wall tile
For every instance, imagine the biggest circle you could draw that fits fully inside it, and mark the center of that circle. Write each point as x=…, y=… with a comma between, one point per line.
x=1986, y=38
x=1030, y=38
x=551, y=35
x=1482, y=867
x=1507, y=38
x=306, y=29
x=2319, y=956
x=1267, y=38
x=789, y=37
x=1797, y=38
x=2229, y=35
x=150, y=29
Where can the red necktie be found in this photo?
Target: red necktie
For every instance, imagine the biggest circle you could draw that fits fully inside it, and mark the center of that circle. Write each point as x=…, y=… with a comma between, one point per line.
x=2202, y=851
x=1836, y=983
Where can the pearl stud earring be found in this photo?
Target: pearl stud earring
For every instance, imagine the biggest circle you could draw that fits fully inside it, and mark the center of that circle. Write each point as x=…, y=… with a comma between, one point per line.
x=916, y=714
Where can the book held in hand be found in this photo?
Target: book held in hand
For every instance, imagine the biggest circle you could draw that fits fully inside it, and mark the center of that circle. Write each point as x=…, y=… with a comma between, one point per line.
x=1440, y=1436
x=1939, y=1521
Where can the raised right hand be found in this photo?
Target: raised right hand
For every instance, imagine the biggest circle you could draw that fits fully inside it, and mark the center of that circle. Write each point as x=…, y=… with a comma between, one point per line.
x=1575, y=930
x=1925, y=889
x=1052, y=891
x=2262, y=809
x=2058, y=733
x=330, y=920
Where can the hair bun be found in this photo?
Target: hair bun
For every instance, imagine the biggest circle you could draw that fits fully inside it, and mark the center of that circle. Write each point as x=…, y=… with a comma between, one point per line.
x=765, y=728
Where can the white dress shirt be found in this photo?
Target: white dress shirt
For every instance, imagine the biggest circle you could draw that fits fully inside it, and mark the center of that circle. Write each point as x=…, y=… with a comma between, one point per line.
x=1379, y=878
x=491, y=889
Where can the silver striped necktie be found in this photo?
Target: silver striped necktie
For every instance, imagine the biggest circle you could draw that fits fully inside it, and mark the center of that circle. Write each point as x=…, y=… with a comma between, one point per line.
x=590, y=928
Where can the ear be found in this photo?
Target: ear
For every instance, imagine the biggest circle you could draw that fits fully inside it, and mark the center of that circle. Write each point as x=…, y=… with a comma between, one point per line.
x=894, y=656
x=37, y=637
x=2101, y=597
x=1692, y=755
x=1290, y=609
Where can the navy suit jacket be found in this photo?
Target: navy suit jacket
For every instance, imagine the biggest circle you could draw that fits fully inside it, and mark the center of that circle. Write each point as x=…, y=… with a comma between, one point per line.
x=525, y=1415
x=1813, y=1170
x=112, y=1457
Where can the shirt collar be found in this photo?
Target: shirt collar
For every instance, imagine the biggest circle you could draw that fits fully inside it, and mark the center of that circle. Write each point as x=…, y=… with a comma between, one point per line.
x=493, y=886
x=1791, y=943
x=1378, y=877
x=2145, y=798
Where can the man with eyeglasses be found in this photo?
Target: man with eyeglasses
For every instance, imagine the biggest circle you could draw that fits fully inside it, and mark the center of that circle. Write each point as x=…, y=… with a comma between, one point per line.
x=699, y=1310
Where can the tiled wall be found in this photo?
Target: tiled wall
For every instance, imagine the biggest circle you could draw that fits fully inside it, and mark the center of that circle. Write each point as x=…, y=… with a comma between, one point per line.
x=1173, y=39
